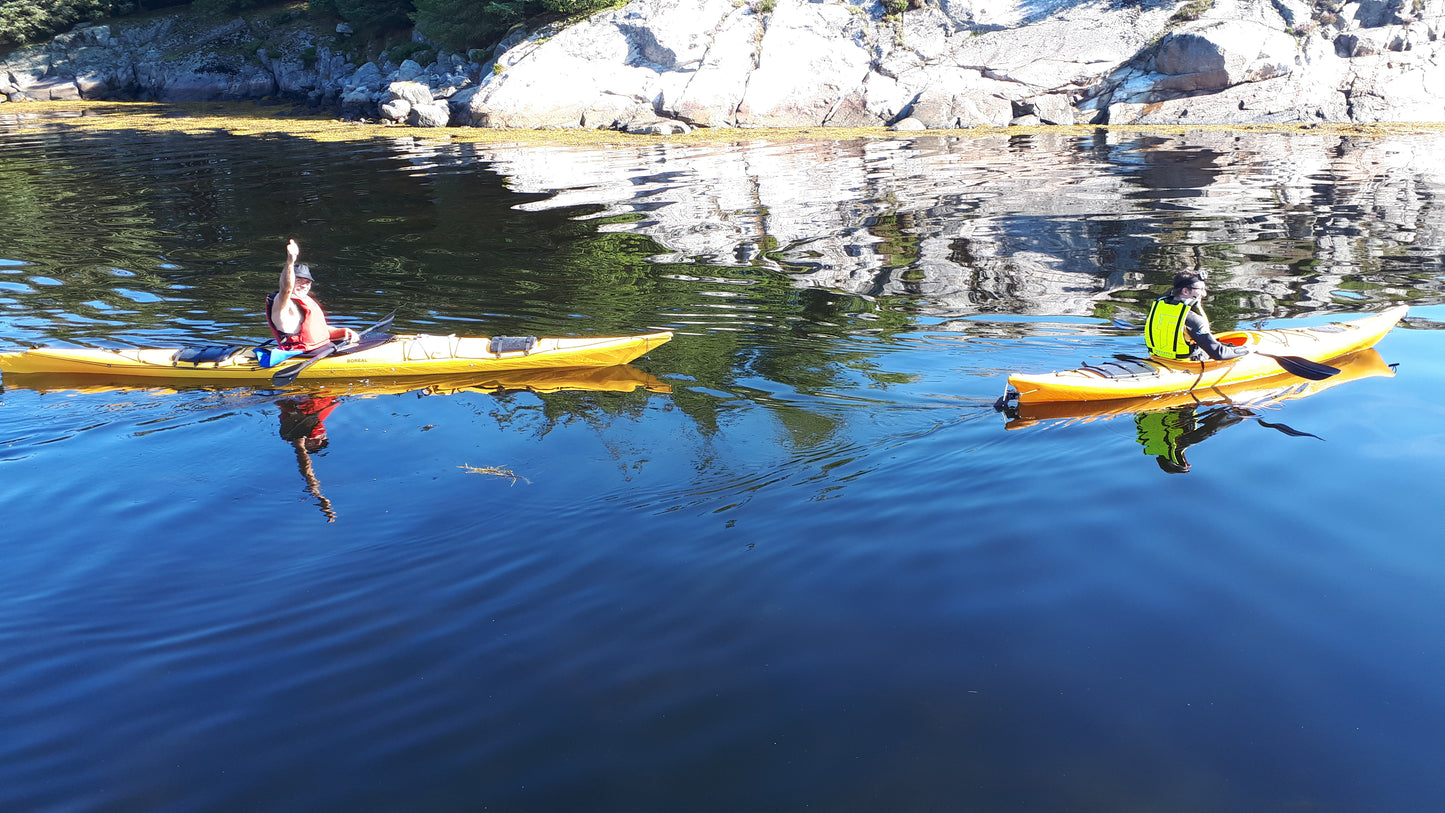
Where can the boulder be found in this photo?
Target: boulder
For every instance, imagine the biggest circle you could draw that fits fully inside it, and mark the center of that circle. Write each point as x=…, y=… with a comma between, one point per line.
x=657, y=127
x=1367, y=43
x=367, y=76
x=357, y=102
x=413, y=93
x=1212, y=55
x=55, y=89
x=429, y=114
x=93, y=86
x=944, y=108
x=1052, y=108
x=395, y=109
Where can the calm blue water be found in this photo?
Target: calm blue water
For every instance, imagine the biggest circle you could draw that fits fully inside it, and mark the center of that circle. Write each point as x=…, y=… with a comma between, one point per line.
x=819, y=573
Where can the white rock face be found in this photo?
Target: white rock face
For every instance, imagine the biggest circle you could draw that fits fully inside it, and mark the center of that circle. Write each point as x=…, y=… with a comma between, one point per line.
x=811, y=63
x=811, y=67
x=795, y=63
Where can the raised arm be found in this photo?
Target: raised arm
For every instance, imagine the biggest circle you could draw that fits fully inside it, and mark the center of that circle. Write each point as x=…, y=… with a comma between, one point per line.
x=288, y=280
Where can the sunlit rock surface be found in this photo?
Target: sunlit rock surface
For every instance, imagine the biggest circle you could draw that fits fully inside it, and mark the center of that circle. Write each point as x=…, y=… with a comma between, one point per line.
x=947, y=64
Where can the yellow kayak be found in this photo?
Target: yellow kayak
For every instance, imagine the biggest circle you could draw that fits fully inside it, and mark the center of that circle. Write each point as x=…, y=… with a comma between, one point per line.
x=617, y=378
x=395, y=357
x=1281, y=387
x=1134, y=377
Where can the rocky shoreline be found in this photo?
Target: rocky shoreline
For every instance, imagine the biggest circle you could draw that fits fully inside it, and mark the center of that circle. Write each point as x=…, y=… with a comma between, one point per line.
x=664, y=66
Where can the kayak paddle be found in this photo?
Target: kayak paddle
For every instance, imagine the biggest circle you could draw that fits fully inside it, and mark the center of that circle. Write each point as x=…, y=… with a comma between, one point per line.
x=288, y=375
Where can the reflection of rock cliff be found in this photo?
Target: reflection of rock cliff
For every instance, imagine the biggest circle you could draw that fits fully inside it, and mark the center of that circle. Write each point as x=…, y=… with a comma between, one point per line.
x=1024, y=224
x=939, y=64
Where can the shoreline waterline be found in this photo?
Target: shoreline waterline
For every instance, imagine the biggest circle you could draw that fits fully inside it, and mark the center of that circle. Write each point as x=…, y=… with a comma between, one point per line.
x=272, y=118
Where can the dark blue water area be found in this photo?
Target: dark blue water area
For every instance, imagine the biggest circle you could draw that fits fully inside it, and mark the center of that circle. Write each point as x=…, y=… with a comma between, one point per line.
x=815, y=570
x=923, y=612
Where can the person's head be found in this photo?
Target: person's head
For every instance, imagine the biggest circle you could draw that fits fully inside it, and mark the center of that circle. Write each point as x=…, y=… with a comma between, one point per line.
x=304, y=279
x=1189, y=286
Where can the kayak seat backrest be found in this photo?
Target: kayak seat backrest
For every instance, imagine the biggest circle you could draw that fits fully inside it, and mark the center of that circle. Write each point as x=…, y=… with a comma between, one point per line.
x=511, y=344
x=209, y=354
x=1123, y=367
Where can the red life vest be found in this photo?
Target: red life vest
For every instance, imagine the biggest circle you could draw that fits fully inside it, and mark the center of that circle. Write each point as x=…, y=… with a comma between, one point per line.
x=313, y=332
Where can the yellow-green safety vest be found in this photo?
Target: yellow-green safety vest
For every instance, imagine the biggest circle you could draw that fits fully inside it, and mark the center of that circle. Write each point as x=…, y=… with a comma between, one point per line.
x=1164, y=330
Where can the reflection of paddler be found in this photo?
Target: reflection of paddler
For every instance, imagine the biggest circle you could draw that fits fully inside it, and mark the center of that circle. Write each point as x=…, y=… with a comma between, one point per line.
x=303, y=425
x=303, y=420
x=1167, y=433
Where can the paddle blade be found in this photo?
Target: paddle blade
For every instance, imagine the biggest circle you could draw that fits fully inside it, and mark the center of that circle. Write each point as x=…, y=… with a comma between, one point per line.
x=380, y=327
x=1304, y=368
x=288, y=375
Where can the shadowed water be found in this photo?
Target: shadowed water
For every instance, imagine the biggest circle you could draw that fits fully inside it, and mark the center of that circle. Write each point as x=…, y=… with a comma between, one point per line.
x=795, y=559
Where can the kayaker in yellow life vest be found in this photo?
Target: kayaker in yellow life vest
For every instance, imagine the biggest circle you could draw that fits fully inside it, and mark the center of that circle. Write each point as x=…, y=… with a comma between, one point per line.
x=296, y=318
x=1177, y=327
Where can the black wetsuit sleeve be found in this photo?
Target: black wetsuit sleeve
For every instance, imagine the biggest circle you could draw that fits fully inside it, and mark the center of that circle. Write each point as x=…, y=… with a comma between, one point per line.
x=1201, y=336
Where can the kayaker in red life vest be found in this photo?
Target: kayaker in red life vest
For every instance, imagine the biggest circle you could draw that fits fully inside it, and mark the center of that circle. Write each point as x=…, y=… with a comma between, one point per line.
x=296, y=318
x=1177, y=327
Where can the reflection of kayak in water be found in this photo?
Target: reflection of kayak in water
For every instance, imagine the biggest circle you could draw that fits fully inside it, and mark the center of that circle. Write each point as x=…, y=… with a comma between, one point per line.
x=1279, y=387
x=616, y=378
x=393, y=357
x=1135, y=377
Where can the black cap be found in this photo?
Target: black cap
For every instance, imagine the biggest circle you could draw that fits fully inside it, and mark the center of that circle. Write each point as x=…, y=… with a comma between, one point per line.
x=303, y=271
